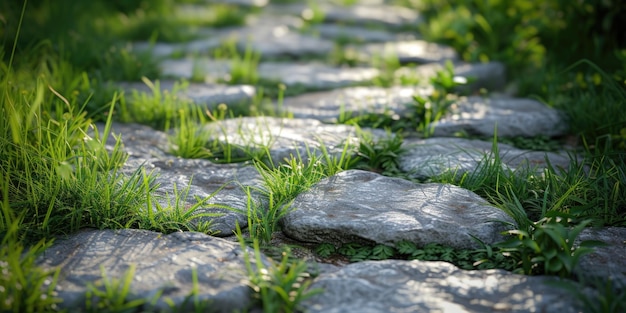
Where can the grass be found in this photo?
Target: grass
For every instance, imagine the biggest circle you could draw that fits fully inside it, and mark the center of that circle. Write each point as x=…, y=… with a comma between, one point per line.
x=57, y=175
x=278, y=286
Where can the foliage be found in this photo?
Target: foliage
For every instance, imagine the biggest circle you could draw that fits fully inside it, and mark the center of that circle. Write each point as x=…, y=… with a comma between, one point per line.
x=547, y=246
x=379, y=155
x=606, y=297
x=283, y=182
x=537, y=143
x=112, y=294
x=24, y=287
x=470, y=259
x=593, y=105
x=157, y=108
x=278, y=286
x=61, y=176
x=176, y=216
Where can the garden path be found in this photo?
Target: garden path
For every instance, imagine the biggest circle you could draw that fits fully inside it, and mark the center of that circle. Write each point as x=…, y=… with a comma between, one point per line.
x=351, y=207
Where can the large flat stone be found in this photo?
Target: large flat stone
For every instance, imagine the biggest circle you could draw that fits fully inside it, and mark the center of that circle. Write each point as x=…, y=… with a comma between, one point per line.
x=434, y=156
x=513, y=117
x=387, y=15
x=208, y=69
x=202, y=94
x=420, y=286
x=491, y=76
x=367, y=207
x=607, y=262
x=162, y=263
x=412, y=51
x=148, y=148
x=328, y=106
x=251, y=3
x=353, y=33
x=222, y=183
x=276, y=36
x=307, y=75
x=371, y=13
x=284, y=138
x=315, y=75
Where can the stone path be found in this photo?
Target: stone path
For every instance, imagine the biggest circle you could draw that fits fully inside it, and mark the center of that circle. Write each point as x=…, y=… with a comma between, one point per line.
x=353, y=206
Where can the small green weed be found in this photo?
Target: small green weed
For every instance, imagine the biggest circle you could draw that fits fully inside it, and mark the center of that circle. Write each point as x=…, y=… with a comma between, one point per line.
x=191, y=300
x=379, y=155
x=537, y=143
x=485, y=258
x=606, y=297
x=263, y=222
x=427, y=110
x=113, y=294
x=176, y=216
x=189, y=138
x=243, y=68
x=278, y=286
x=24, y=287
x=388, y=65
x=547, y=247
x=157, y=108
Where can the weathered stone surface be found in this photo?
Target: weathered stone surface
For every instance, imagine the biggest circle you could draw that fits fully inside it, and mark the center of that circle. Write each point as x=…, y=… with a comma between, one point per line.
x=139, y=141
x=371, y=13
x=413, y=51
x=608, y=262
x=434, y=156
x=210, y=70
x=513, y=116
x=354, y=33
x=222, y=183
x=419, y=286
x=148, y=148
x=328, y=106
x=157, y=49
x=276, y=36
x=162, y=263
x=387, y=15
x=315, y=75
x=251, y=3
x=285, y=137
x=491, y=76
x=202, y=94
x=364, y=206
x=307, y=75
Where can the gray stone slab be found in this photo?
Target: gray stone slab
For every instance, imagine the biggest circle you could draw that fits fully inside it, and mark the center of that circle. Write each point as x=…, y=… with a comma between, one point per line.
x=360, y=206
x=284, y=137
x=513, y=117
x=491, y=76
x=434, y=156
x=202, y=94
x=315, y=75
x=208, y=69
x=607, y=262
x=250, y=3
x=387, y=15
x=276, y=36
x=149, y=148
x=307, y=75
x=354, y=33
x=157, y=49
x=328, y=106
x=371, y=14
x=410, y=51
x=420, y=286
x=162, y=263
x=223, y=184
